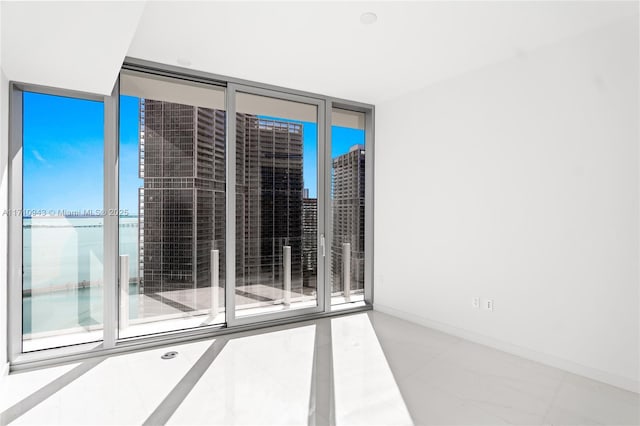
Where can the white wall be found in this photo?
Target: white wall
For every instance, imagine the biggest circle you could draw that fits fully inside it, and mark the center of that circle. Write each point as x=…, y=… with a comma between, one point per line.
x=519, y=182
x=4, y=145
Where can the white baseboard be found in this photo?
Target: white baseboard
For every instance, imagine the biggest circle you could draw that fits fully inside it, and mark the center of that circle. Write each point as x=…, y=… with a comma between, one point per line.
x=542, y=358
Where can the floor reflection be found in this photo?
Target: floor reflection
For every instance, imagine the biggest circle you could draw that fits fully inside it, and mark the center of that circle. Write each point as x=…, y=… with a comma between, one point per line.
x=366, y=368
x=329, y=371
x=365, y=389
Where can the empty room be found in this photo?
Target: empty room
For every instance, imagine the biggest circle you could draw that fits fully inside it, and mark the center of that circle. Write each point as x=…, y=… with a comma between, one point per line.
x=319, y=212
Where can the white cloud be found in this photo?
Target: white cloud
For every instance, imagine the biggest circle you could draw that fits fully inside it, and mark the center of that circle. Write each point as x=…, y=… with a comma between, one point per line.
x=38, y=157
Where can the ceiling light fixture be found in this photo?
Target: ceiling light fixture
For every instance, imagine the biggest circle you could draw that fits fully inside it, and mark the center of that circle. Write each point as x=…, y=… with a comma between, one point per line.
x=368, y=18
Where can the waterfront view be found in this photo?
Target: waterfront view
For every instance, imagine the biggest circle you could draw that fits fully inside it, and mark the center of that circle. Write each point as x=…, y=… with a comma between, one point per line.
x=172, y=193
x=63, y=271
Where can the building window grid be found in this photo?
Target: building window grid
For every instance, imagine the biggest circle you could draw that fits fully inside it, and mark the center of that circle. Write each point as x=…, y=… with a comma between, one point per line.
x=179, y=217
x=348, y=194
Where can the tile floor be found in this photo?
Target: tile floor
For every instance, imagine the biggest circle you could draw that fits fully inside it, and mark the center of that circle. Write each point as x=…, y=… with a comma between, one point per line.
x=367, y=368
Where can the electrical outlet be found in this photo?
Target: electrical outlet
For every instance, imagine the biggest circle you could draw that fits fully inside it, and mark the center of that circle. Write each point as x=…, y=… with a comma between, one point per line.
x=476, y=302
x=488, y=305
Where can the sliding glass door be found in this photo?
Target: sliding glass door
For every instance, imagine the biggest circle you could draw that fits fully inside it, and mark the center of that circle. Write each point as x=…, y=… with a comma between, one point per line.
x=279, y=259
x=172, y=204
x=174, y=218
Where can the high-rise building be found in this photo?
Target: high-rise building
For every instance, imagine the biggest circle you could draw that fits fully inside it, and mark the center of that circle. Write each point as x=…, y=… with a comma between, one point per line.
x=348, y=216
x=182, y=213
x=182, y=202
x=269, y=200
x=309, y=240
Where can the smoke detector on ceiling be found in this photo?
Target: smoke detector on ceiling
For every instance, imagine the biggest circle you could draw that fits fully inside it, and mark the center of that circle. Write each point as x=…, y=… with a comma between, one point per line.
x=368, y=18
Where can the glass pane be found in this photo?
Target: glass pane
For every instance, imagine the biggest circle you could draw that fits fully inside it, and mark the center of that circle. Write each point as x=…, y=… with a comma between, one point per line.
x=63, y=151
x=347, y=199
x=276, y=205
x=172, y=206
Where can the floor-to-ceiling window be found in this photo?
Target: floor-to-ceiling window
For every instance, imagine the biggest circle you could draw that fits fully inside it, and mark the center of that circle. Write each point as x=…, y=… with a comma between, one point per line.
x=181, y=202
x=62, y=220
x=172, y=204
x=276, y=265
x=348, y=184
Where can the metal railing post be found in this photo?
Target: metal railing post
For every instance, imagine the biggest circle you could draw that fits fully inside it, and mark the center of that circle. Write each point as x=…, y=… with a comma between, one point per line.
x=346, y=271
x=215, y=282
x=286, y=259
x=124, y=291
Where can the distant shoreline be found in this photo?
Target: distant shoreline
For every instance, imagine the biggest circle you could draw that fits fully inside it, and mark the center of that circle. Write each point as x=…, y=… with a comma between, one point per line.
x=76, y=217
x=132, y=222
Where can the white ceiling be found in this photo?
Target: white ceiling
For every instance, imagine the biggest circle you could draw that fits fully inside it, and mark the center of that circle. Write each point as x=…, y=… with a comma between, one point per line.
x=70, y=45
x=315, y=46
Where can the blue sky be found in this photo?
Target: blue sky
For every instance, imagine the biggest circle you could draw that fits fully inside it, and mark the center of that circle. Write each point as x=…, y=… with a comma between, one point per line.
x=63, y=153
x=129, y=140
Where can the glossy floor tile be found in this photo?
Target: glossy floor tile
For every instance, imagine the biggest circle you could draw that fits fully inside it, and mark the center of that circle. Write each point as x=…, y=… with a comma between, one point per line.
x=360, y=369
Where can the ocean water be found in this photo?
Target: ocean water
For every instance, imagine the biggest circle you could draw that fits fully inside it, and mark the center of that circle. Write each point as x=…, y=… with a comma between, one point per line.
x=62, y=266
x=64, y=252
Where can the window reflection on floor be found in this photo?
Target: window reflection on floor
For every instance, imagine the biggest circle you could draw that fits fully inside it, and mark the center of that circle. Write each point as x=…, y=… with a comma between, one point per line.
x=317, y=372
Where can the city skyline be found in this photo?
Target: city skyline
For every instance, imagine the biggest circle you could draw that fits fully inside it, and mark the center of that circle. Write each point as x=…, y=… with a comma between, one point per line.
x=172, y=188
x=181, y=202
x=66, y=135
